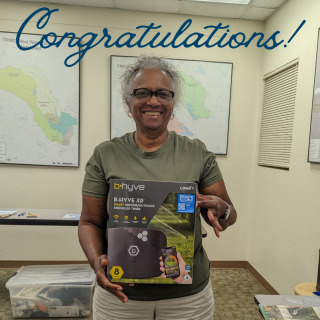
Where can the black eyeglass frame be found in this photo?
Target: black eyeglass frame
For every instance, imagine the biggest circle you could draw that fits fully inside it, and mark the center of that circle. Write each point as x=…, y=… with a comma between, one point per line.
x=133, y=92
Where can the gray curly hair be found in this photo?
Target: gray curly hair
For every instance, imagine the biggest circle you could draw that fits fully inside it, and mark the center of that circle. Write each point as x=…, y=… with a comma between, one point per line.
x=146, y=61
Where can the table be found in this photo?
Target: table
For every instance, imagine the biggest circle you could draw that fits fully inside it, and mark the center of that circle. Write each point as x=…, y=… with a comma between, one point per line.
x=270, y=300
x=45, y=217
x=48, y=217
x=305, y=289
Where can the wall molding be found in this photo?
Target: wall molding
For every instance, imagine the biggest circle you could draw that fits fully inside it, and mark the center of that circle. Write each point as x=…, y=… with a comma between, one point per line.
x=260, y=279
x=14, y=264
x=228, y=264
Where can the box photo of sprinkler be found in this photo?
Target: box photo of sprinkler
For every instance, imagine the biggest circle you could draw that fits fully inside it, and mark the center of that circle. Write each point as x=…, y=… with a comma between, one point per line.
x=151, y=231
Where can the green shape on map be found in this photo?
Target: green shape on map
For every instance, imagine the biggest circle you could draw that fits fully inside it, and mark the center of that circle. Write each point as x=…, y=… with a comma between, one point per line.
x=24, y=87
x=194, y=96
x=21, y=85
x=50, y=133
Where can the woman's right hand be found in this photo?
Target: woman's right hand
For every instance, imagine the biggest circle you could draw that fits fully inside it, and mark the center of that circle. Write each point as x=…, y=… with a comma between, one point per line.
x=100, y=265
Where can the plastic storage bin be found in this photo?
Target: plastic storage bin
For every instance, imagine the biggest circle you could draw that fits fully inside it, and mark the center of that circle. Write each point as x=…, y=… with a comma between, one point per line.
x=52, y=291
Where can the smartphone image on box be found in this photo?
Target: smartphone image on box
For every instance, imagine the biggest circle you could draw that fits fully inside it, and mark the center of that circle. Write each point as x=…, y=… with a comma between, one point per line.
x=170, y=261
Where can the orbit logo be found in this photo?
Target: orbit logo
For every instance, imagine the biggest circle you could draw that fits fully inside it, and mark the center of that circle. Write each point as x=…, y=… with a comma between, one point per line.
x=186, y=188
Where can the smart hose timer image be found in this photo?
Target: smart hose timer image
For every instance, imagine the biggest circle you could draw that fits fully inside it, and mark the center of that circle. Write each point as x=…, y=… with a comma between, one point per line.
x=151, y=231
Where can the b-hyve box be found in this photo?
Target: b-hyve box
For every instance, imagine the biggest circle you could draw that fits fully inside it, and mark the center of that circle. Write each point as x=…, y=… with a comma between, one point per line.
x=151, y=231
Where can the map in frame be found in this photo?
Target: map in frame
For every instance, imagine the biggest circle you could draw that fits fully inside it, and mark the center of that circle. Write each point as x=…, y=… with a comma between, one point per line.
x=204, y=111
x=39, y=104
x=314, y=140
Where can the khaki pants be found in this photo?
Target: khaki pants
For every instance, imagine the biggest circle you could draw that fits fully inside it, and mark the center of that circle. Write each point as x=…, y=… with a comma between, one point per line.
x=196, y=307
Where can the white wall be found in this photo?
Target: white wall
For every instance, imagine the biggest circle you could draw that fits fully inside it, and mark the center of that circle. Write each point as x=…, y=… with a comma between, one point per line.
x=39, y=187
x=285, y=229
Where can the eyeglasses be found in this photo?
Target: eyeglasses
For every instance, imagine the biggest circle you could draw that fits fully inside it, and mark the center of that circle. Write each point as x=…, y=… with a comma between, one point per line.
x=144, y=95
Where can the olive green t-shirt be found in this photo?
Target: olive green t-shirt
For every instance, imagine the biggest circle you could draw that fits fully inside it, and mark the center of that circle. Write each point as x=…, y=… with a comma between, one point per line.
x=178, y=159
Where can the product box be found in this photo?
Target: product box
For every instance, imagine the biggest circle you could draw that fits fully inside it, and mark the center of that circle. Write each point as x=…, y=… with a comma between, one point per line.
x=151, y=231
x=51, y=291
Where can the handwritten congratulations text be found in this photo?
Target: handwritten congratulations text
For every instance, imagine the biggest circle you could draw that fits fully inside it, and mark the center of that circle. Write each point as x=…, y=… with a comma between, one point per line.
x=130, y=40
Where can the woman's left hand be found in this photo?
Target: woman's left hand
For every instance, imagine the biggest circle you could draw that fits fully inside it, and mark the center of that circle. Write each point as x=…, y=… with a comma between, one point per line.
x=216, y=208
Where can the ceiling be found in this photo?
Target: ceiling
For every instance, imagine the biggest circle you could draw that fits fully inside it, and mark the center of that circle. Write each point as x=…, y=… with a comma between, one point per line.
x=254, y=10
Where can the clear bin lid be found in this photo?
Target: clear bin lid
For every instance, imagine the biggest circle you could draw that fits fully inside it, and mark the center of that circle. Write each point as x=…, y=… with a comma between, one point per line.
x=75, y=274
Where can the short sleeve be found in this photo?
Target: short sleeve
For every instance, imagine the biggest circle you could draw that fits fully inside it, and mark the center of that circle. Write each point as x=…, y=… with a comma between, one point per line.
x=211, y=173
x=94, y=184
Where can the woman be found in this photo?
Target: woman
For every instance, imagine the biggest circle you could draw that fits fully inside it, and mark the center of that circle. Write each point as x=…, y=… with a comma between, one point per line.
x=151, y=87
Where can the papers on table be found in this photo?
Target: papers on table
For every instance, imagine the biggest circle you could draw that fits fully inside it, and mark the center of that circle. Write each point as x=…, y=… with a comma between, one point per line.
x=7, y=212
x=72, y=216
x=310, y=302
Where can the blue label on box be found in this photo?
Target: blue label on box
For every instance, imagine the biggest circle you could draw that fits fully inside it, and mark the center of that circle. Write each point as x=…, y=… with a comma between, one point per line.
x=186, y=203
x=187, y=269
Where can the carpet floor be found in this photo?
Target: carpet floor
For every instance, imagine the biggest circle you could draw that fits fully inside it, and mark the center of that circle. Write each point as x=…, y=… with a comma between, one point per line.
x=233, y=291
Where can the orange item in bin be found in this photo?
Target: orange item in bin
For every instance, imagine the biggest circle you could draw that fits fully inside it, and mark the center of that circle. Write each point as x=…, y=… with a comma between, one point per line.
x=41, y=307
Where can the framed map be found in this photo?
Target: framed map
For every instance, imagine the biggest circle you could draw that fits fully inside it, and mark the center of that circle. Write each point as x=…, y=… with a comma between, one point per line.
x=314, y=140
x=204, y=111
x=39, y=104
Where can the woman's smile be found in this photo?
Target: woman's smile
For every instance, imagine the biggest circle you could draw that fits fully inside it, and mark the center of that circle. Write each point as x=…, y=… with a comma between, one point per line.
x=152, y=113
